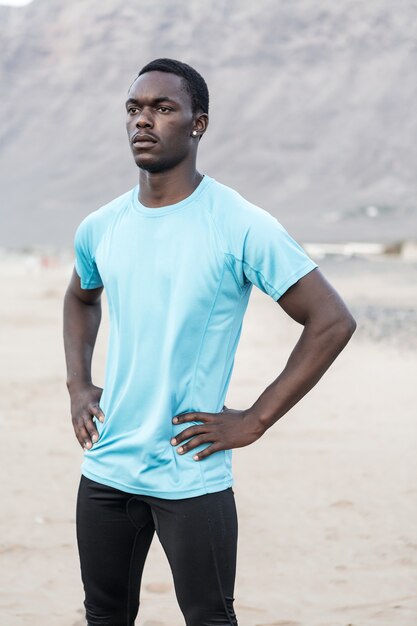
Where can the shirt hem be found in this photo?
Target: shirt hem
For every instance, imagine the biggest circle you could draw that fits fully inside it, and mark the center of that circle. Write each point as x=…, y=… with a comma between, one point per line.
x=86, y=283
x=303, y=271
x=170, y=495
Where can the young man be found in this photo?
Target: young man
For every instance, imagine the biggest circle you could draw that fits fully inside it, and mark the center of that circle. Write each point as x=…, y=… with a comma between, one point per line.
x=177, y=255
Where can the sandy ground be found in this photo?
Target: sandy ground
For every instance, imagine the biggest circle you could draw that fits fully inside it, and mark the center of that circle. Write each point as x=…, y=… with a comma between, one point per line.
x=327, y=499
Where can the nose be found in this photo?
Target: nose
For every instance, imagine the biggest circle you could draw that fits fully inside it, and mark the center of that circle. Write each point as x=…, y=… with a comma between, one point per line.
x=144, y=119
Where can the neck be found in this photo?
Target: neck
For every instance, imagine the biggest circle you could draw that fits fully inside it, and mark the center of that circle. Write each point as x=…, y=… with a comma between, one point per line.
x=169, y=187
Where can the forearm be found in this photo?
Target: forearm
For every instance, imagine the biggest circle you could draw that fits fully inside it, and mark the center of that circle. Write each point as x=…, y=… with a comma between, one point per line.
x=313, y=354
x=81, y=324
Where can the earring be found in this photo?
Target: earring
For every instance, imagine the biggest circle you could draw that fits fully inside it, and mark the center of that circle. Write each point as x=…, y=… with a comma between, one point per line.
x=194, y=133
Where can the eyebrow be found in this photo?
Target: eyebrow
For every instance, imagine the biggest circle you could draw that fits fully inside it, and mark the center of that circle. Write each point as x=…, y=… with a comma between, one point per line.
x=154, y=101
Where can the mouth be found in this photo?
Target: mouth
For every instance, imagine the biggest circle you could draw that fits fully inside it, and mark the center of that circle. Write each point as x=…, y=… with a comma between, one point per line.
x=141, y=140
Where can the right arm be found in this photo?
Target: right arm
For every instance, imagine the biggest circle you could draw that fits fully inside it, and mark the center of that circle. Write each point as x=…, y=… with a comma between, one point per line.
x=82, y=316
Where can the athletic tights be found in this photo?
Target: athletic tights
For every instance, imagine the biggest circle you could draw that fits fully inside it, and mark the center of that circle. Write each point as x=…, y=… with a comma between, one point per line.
x=198, y=535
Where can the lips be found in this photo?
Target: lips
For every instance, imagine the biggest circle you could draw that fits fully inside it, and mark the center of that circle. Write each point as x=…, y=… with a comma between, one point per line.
x=143, y=138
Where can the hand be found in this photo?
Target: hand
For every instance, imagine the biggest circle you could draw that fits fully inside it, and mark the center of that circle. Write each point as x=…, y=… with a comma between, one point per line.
x=85, y=405
x=225, y=430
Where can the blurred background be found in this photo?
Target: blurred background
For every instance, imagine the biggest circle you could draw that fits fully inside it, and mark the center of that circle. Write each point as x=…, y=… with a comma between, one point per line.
x=312, y=109
x=313, y=117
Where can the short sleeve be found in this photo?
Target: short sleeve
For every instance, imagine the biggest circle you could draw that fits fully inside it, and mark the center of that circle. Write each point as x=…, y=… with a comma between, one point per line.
x=85, y=264
x=272, y=259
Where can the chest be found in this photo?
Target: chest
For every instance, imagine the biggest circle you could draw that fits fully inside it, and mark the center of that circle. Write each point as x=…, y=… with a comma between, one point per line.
x=161, y=258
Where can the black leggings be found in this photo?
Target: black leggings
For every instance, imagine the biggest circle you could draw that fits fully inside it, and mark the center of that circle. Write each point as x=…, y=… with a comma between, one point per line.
x=198, y=535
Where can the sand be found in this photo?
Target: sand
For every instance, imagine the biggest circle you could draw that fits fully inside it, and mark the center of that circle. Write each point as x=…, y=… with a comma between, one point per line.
x=327, y=498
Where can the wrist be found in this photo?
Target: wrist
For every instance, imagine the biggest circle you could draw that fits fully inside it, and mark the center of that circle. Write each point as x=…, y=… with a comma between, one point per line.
x=74, y=385
x=265, y=412
x=256, y=424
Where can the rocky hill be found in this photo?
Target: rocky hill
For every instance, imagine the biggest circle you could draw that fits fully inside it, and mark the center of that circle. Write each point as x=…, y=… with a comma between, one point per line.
x=313, y=109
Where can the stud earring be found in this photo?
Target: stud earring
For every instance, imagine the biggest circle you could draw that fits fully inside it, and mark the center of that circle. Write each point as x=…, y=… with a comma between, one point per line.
x=194, y=133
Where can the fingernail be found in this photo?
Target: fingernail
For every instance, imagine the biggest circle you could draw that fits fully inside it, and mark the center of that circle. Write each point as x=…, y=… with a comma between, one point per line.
x=180, y=450
x=175, y=420
x=94, y=438
x=195, y=458
x=173, y=441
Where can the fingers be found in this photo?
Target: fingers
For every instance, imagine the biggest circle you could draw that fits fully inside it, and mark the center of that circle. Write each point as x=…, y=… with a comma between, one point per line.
x=207, y=451
x=92, y=431
x=189, y=432
x=197, y=441
x=85, y=429
x=81, y=431
x=191, y=417
x=96, y=411
x=200, y=433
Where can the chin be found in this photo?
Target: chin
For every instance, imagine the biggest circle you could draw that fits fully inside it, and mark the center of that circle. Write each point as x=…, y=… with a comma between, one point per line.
x=152, y=166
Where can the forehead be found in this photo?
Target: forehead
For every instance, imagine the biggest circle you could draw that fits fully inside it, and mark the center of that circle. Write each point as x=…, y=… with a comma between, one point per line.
x=156, y=85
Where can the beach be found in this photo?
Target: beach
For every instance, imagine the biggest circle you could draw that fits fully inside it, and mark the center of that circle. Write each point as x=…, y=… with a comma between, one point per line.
x=326, y=499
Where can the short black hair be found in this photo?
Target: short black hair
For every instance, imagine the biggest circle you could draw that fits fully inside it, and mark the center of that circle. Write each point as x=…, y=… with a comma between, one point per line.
x=194, y=83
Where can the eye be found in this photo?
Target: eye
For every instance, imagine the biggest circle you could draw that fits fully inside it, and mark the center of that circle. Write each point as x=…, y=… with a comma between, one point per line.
x=163, y=109
x=132, y=110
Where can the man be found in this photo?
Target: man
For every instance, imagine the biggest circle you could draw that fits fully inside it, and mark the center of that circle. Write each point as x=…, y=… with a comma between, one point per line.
x=177, y=255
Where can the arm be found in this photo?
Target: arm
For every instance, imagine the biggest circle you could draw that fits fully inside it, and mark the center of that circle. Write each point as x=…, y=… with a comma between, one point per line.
x=328, y=326
x=82, y=316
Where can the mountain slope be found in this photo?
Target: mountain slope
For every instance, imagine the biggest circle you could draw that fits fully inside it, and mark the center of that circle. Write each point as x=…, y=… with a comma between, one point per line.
x=312, y=109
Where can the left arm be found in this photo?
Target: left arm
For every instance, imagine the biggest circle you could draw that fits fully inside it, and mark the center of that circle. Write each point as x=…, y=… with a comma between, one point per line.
x=328, y=326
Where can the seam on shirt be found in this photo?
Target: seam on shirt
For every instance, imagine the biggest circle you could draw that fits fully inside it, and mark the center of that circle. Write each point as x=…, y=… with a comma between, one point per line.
x=228, y=476
x=224, y=250
x=204, y=334
x=199, y=353
x=310, y=266
x=285, y=285
x=85, y=284
x=235, y=315
x=259, y=273
x=88, y=283
x=235, y=312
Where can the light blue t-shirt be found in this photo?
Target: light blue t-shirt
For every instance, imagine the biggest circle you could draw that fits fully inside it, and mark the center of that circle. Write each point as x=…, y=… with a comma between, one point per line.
x=178, y=280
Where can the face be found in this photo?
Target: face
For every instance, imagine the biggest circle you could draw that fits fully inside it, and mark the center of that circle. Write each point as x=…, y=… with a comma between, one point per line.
x=160, y=121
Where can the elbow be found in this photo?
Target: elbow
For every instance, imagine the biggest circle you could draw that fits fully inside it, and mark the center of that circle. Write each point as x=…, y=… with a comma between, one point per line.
x=344, y=328
x=336, y=331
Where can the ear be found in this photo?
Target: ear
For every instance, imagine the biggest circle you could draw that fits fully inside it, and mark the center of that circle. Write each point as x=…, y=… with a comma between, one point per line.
x=200, y=124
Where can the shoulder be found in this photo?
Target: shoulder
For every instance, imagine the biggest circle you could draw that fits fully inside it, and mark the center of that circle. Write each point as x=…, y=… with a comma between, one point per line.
x=92, y=227
x=230, y=206
x=107, y=211
x=236, y=217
